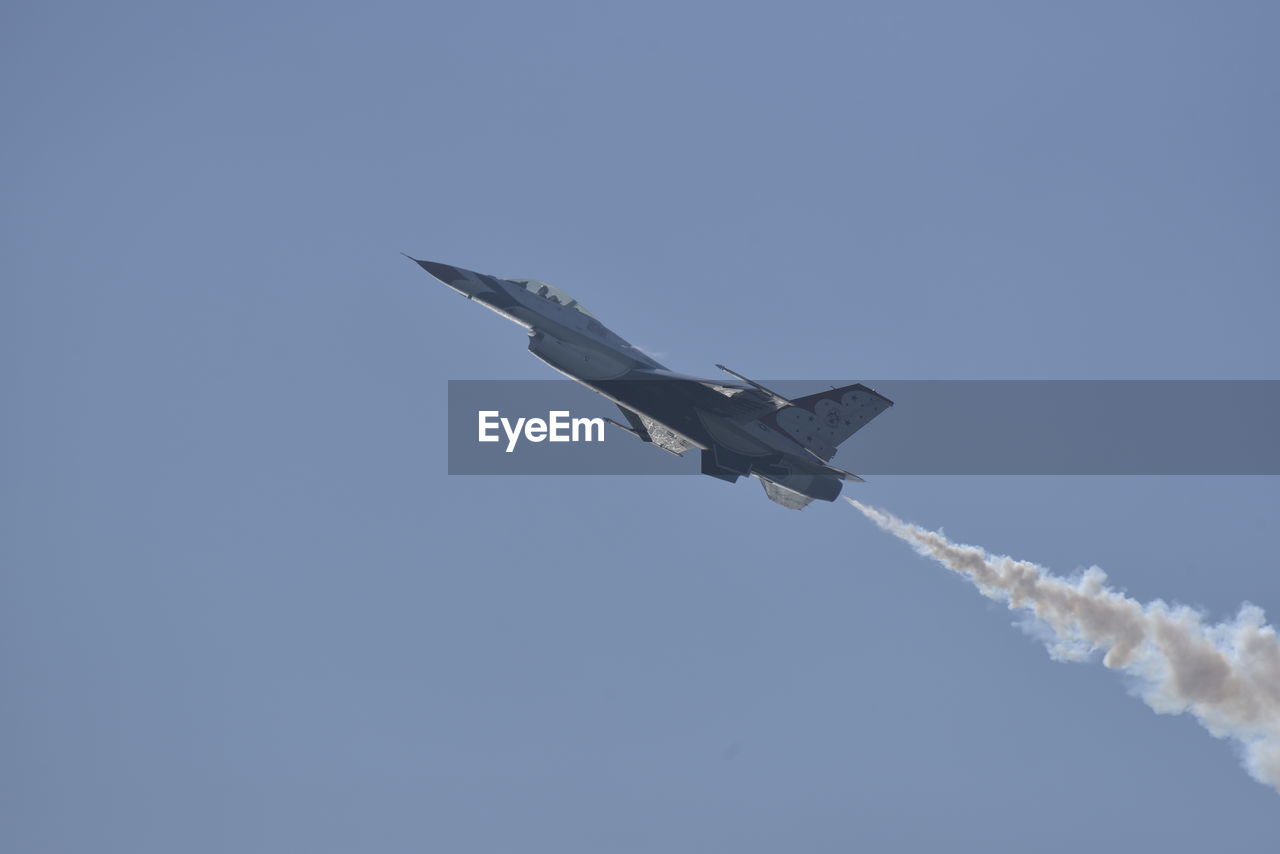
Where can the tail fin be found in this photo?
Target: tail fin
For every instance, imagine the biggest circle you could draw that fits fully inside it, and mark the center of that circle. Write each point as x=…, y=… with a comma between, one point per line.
x=820, y=422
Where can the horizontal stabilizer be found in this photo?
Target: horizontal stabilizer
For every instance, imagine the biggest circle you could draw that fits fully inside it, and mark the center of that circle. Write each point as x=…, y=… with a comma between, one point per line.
x=847, y=475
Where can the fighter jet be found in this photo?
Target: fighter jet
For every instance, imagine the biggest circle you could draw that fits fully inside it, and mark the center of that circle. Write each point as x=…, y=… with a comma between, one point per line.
x=741, y=428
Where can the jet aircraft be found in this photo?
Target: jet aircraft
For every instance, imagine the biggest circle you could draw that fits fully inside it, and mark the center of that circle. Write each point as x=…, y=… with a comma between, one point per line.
x=741, y=428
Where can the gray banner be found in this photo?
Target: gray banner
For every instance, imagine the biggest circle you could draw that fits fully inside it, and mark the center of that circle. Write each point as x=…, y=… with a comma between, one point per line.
x=962, y=427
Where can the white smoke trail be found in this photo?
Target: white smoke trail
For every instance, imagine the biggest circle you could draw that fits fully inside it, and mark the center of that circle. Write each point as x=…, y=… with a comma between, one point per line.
x=1227, y=675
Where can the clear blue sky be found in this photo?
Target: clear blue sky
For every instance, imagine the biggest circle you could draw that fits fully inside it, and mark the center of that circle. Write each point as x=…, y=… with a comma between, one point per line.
x=244, y=609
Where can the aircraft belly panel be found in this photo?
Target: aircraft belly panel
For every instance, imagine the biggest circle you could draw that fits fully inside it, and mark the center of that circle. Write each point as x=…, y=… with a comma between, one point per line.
x=732, y=436
x=586, y=362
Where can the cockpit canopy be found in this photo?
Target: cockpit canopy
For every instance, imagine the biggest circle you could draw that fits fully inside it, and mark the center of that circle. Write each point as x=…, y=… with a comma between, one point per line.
x=549, y=292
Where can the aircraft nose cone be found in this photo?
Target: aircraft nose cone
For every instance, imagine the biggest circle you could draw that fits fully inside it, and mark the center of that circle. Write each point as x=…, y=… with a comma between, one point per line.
x=443, y=272
x=465, y=282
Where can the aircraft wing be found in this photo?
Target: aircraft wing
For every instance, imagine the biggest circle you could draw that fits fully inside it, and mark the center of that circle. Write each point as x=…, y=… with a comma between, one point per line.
x=817, y=422
x=735, y=401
